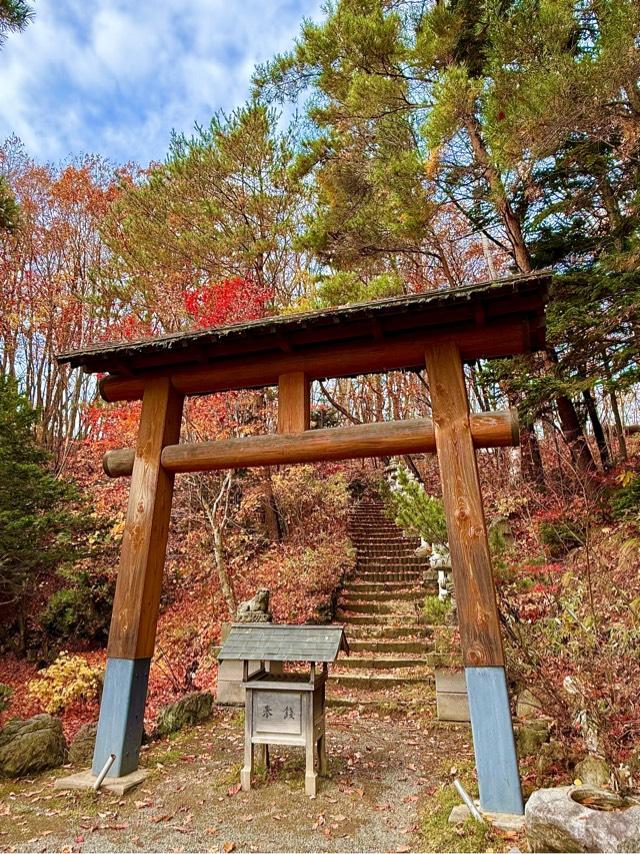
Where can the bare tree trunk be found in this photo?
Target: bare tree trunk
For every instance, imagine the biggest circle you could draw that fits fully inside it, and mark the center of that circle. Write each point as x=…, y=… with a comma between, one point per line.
x=617, y=418
x=570, y=423
x=223, y=574
x=568, y=416
x=217, y=519
x=531, y=458
x=598, y=432
x=509, y=219
x=269, y=508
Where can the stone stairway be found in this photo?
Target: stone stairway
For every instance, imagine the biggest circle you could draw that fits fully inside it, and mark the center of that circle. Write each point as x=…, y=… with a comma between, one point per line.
x=392, y=648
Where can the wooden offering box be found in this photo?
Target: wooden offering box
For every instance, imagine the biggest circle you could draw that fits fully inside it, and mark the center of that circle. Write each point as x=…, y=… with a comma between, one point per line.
x=285, y=708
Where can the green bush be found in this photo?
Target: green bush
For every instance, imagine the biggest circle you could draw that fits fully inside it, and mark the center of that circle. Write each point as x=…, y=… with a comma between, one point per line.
x=436, y=610
x=560, y=536
x=626, y=500
x=80, y=610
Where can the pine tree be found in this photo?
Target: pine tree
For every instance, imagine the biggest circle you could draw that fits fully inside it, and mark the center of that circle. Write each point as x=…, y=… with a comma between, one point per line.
x=39, y=527
x=523, y=114
x=14, y=16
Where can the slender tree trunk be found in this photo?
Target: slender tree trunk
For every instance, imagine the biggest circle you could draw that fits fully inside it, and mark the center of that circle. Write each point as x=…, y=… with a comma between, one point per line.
x=509, y=219
x=598, y=432
x=271, y=517
x=223, y=574
x=568, y=416
x=488, y=257
x=570, y=424
x=617, y=417
x=531, y=458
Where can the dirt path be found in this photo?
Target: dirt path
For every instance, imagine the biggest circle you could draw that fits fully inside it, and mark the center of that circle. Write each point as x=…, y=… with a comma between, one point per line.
x=383, y=771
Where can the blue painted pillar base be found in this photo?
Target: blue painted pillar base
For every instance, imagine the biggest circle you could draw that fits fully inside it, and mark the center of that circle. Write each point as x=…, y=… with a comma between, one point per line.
x=121, y=715
x=493, y=741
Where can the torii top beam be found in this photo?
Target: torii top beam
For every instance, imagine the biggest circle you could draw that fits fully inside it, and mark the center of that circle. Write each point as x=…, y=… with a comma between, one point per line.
x=485, y=320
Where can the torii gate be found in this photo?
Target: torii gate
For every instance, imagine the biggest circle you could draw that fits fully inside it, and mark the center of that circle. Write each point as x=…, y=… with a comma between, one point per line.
x=442, y=329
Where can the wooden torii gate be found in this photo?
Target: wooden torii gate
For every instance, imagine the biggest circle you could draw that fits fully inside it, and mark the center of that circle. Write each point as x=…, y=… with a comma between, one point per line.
x=441, y=329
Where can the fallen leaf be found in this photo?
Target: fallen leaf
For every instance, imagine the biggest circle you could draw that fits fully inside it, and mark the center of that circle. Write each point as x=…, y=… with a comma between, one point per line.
x=228, y=847
x=78, y=839
x=233, y=790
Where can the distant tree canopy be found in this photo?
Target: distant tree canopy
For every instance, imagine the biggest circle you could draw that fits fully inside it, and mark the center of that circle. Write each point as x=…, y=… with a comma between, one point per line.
x=440, y=143
x=523, y=118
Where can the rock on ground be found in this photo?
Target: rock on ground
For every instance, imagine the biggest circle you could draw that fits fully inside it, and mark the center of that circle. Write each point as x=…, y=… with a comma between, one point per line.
x=81, y=748
x=189, y=710
x=593, y=771
x=31, y=745
x=555, y=822
x=530, y=736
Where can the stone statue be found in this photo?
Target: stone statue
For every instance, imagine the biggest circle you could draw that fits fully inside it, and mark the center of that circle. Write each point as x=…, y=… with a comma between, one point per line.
x=441, y=561
x=255, y=610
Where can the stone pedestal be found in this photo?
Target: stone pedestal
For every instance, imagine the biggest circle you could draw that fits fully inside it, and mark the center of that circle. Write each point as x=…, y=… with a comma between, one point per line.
x=451, y=696
x=115, y=785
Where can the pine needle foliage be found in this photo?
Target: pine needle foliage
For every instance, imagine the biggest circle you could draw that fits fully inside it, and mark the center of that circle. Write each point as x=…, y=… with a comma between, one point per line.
x=414, y=510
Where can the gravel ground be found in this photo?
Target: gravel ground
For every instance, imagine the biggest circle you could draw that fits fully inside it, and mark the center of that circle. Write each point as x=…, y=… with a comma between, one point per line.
x=382, y=772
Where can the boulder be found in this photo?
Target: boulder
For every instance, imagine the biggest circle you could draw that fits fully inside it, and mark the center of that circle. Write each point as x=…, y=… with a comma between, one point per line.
x=593, y=771
x=530, y=736
x=552, y=755
x=554, y=821
x=528, y=706
x=81, y=748
x=187, y=711
x=31, y=745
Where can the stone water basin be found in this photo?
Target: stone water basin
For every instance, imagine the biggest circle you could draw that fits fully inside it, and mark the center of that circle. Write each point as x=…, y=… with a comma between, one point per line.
x=582, y=818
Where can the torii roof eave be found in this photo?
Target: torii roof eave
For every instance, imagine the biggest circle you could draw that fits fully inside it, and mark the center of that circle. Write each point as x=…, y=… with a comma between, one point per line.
x=444, y=311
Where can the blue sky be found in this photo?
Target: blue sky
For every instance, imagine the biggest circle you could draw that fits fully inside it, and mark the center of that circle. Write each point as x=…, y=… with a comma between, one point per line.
x=114, y=77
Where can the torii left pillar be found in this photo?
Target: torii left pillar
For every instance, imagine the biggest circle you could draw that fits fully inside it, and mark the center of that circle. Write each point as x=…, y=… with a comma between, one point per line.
x=137, y=597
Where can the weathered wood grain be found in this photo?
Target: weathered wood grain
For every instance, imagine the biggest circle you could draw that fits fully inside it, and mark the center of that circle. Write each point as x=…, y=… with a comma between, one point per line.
x=294, y=400
x=488, y=430
x=137, y=596
x=503, y=338
x=470, y=559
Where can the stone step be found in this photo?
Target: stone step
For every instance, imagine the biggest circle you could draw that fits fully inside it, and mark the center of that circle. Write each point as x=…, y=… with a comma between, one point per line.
x=373, y=536
x=374, y=586
x=361, y=663
x=404, y=576
x=368, y=619
x=388, y=573
x=349, y=596
x=386, y=547
x=390, y=646
x=382, y=608
x=408, y=559
x=370, y=632
x=377, y=682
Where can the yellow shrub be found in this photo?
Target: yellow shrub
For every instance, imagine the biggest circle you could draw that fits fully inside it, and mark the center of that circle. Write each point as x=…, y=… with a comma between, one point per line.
x=69, y=678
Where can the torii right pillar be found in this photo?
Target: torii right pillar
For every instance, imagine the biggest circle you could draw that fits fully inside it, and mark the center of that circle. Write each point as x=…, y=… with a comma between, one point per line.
x=480, y=638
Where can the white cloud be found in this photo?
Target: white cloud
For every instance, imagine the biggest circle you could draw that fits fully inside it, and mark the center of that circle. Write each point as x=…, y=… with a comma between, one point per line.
x=115, y=77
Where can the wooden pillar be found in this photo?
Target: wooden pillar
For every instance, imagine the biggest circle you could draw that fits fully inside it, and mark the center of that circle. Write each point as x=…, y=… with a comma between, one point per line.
x=137, y=597
x=480, y=638
x=293, y=402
